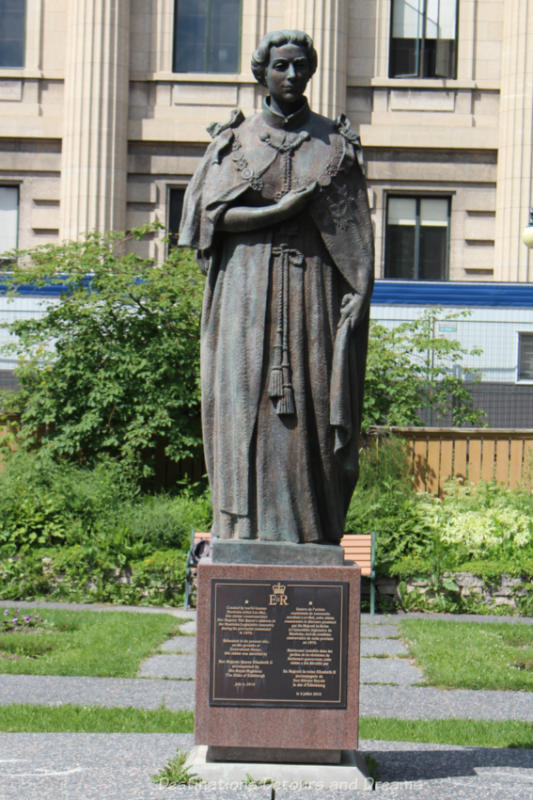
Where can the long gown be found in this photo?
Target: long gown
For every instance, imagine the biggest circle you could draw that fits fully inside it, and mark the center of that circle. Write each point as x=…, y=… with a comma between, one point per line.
x=282, y=375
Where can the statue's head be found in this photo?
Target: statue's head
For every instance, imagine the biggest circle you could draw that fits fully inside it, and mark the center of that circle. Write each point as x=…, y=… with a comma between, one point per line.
x=261, y=56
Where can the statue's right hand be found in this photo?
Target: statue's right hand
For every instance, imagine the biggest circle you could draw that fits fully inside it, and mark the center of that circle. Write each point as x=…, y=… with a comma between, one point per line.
x=296, y=199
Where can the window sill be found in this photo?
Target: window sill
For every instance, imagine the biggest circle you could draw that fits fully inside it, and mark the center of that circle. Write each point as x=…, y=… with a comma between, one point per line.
x=193, y=77
x=431, y=83
x=19, y=72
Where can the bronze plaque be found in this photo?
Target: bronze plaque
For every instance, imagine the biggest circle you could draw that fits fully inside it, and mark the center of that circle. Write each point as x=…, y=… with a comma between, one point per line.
x=278, y=643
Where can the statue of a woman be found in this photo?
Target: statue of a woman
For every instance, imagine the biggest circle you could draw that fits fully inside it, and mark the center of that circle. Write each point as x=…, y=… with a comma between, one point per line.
x=278, y=212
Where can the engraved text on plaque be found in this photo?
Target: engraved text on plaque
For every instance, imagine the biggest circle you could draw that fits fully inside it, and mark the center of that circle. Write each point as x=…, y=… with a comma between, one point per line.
x=278, y=643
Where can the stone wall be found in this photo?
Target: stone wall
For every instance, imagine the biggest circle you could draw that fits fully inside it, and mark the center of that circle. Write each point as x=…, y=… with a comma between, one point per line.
x=502, y=591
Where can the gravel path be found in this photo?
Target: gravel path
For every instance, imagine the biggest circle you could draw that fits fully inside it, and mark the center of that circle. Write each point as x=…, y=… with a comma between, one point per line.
x=54, y=690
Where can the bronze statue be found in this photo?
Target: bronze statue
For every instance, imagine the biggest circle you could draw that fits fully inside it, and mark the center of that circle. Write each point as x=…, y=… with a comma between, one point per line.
x=279, y=215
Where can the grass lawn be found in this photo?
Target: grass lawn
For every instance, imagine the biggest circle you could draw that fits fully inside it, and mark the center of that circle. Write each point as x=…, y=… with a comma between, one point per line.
x=471, y=655
x=468, y=732
x=105, y=644
x=93, y=719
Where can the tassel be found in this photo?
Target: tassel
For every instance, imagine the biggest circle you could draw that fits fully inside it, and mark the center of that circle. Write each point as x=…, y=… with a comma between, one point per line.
x=275, y=386
x=286, y=402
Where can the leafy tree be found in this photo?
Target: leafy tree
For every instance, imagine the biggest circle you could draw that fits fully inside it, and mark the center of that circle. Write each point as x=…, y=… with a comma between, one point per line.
x=112, y=368
x=410, y=369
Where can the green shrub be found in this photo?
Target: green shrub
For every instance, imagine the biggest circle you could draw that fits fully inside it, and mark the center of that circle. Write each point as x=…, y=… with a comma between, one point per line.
x=83, y=534
x=86, y=574
x=385, y=501
x=160, y=578
x=485, y=529
x=163, y=521
x=44, y=504
x=492, y=569
x=112, y=369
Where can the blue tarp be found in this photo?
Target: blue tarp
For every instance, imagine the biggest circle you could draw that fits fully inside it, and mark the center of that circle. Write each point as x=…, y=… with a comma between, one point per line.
x=405, y=293
x=447, y=293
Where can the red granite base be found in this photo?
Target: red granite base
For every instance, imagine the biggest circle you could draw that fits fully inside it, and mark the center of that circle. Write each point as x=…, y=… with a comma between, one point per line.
x=326, y=729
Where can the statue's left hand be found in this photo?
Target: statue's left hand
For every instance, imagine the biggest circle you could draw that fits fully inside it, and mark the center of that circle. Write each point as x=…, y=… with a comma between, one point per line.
x=352, y=309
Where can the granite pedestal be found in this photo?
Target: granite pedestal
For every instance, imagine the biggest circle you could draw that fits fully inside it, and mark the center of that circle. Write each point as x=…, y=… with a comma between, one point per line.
x=278, y=687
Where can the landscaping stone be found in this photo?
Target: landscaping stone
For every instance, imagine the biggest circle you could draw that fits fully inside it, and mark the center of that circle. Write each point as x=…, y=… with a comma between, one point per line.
x=168, y=666
x=179, y=644
x=189, y=627
x=382, y=647
x=389, y=670
x=378, y=630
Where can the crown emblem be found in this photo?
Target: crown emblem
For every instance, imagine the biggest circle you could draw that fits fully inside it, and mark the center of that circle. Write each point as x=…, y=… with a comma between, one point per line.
x=278, y=588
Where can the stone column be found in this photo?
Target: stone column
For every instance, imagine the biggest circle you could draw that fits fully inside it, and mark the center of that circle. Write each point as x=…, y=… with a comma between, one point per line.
x=327, y=22
x=95, y=134
x=515, y=148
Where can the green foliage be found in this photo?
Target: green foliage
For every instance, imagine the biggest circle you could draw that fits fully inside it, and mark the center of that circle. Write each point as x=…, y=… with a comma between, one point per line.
x=78, y=534
x=251, y=781
x=385, y=501
x=160, y=577
x=87, y=573
x=485, y=520
x=43, y=503
x=112, y=369
x=485, y=529
x=175, y=773
x=165, y=521
x=411, y=368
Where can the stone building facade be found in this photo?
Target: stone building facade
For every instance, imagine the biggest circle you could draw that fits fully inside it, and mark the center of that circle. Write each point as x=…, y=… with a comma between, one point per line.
x=104, y=106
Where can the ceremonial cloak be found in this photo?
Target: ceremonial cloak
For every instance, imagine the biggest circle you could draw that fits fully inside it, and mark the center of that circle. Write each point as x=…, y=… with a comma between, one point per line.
x=282, y=372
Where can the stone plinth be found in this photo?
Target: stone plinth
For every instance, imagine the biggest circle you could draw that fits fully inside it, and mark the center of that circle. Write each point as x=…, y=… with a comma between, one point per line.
x=255, y=551
x=349, y=775
x=321, y=723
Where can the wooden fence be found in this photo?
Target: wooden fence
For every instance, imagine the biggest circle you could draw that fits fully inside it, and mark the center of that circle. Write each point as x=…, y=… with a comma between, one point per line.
x=438, y=455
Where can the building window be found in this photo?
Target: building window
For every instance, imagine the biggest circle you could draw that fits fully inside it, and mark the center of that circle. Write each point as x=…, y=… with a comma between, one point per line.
x=416, y=240
x=207, y=36
x=525, y=356
x=423, y=42
x=175, y=207
x=9, y=209
x=12, y=32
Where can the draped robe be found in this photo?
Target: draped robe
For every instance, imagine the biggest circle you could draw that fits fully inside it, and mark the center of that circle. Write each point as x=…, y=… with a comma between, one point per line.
x=282, y=372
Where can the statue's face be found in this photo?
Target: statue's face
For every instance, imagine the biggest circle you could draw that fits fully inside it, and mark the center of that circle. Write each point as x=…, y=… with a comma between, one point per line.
x=287, y=75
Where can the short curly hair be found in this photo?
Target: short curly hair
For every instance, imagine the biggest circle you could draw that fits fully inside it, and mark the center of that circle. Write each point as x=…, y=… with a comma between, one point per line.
x=261, y=56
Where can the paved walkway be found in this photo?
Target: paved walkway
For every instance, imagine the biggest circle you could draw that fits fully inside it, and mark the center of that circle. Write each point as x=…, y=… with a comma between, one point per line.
x=117, y=766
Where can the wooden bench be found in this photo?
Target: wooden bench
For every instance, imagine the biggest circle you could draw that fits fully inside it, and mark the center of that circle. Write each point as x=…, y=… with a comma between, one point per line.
x=360, y=548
